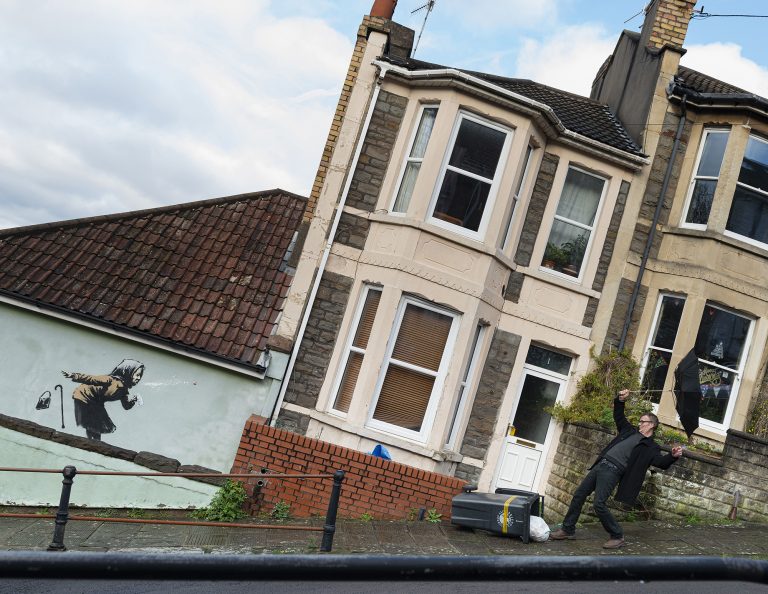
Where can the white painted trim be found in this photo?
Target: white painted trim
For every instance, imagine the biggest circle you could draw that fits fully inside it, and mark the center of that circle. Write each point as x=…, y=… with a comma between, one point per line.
x=569, y=135
x=329, y=243
x=692, y=183
x=113, y=331
x=493, y=190
x=408, y=159
x=439, y=375
x=465, y=385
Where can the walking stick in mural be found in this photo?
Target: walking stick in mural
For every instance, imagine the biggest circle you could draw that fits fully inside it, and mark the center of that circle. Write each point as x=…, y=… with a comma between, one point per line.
x=45, y=401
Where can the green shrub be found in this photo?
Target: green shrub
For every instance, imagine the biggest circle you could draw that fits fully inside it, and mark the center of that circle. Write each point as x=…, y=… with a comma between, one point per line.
x=226, y=505
x=596, y=390
x=281, y=511
x=366, y=517
x=433, y=516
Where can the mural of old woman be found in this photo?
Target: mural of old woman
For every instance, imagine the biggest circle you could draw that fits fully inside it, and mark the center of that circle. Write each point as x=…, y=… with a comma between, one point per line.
x=96, y=390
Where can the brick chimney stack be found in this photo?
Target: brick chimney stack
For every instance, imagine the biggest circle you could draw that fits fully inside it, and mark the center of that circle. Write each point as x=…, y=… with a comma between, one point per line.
x=383, y=8
x=666, y=23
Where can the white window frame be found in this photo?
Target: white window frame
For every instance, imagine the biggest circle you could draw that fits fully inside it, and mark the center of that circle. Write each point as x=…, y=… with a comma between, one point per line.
x=350, y=348
x=440, y=375
x=556, y=217
x=408, y=159
x=695, y=177
x=465, y=385
x=529, y=151
x=649, y=341
x=494, y=183
x=736, y=385
x=744, y=238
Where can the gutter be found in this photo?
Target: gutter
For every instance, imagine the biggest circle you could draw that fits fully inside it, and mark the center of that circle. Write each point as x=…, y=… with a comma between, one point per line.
x=636, y=160
x=731, y=101
x=652, y=232
x=384, y=67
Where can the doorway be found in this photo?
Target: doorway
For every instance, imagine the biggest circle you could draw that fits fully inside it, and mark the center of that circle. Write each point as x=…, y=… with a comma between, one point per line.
x=545, y=377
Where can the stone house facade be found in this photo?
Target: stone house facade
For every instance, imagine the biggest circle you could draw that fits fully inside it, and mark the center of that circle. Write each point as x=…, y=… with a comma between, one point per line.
x=689, y=270
x=455, y=253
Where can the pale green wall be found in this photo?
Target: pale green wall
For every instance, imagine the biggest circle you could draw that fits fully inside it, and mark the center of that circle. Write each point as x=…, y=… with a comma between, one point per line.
x=92, y=491
x=193, y=411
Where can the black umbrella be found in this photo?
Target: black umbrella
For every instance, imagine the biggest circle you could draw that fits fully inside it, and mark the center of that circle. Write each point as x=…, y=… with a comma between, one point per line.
x=688, y=392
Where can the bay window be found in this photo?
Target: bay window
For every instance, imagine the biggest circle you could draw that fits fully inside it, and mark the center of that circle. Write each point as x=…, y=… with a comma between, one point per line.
x=704, y=182
x=721, y=346
x=415, y=158
x=574, y=222
x=355, y=350
x=414, y=369
x=748, y=217
x=469, y=176
x=655, y=365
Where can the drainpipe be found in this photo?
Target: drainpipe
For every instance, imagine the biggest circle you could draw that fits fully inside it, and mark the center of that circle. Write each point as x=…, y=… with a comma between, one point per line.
x=652, y=233
x=327, y=250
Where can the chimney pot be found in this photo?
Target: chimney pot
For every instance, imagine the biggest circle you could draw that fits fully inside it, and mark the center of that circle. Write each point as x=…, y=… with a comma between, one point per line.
x=383, y=8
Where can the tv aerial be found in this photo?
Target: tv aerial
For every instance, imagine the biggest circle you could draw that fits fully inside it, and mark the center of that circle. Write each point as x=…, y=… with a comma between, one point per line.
x=428, y=6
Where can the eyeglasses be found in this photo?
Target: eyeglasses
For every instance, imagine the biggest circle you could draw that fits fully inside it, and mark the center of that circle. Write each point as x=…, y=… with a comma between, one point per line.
x=644, y=421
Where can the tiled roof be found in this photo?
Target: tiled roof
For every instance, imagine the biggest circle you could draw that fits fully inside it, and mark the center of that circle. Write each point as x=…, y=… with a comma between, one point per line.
x=578, y=114
x=703, y=83
x=206, y=276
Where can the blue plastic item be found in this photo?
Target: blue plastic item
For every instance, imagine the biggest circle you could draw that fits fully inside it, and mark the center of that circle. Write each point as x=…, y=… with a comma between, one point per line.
x=381, y=452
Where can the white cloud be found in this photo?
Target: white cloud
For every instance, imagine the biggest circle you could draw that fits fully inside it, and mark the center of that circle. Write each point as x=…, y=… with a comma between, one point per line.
x=110, y=106
x=568, y=59
x=725, y=62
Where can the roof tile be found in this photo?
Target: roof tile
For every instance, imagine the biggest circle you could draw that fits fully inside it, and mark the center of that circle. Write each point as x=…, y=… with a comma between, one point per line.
x=191, y=273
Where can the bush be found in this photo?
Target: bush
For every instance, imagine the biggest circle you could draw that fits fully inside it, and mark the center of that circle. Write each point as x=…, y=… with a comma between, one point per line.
x=281, y=511
x=595, y=392
x=226, y=505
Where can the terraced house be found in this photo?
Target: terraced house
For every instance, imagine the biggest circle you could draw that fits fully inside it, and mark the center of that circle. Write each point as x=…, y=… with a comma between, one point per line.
x=456, y=249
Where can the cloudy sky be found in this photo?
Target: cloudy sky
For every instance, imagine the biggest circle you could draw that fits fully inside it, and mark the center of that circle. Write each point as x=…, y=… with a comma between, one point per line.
x=113, y=105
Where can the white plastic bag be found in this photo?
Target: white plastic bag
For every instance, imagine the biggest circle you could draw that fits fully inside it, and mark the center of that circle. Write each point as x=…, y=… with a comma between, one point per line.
x=539, y=530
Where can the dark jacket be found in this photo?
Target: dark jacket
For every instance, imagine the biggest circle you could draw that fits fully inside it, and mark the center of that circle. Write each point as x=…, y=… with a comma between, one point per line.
x=645, y=454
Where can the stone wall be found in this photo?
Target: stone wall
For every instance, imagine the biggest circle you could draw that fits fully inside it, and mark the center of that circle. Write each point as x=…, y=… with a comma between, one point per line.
x=696, y=485
x=376, y=152
x=382, y=488
x=536, y=207
x=490, y=392
x=317, y=346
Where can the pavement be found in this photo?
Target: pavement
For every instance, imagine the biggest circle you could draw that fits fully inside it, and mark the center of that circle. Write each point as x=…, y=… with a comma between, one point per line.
x=740, y=539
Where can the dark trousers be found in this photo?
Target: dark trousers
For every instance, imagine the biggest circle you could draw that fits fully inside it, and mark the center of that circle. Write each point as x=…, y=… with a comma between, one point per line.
x=601, y=480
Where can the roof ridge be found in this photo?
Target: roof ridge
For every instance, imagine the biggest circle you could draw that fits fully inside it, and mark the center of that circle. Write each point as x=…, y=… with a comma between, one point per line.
x=31, y=229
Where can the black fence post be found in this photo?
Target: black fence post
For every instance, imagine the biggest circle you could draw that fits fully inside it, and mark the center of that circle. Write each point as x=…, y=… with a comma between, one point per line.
x=330, y=518
x=57, y=544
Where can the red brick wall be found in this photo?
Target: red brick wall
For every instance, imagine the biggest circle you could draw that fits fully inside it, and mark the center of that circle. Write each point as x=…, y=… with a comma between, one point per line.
x=382, y=488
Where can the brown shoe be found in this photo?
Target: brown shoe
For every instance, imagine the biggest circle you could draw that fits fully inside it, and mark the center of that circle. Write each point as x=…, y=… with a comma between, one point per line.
x=561, y=534
x=614, y=543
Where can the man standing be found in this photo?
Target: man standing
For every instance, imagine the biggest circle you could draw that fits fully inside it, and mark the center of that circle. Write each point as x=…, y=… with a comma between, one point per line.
x=624, y=461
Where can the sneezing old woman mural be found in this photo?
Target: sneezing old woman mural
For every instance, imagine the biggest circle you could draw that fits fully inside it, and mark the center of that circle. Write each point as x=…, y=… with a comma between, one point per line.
x=95, y=391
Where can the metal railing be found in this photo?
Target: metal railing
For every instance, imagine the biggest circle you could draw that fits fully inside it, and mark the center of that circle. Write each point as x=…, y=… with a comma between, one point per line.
x=62, y=515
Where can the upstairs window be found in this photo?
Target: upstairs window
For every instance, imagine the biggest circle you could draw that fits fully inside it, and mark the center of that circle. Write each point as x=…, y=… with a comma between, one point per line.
x=655, y=368
x=574, y=222
x=516, y=198
x=468, y=178
x=749, y=210
x=414, y=369
x=704, y=182
x=415, y=157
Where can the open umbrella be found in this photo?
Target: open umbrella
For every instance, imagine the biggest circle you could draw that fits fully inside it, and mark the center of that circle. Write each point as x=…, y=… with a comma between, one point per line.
x=688, y=392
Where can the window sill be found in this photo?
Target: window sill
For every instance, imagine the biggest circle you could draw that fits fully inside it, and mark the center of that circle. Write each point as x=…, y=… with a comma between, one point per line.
x=381, y=437
x=718, y=237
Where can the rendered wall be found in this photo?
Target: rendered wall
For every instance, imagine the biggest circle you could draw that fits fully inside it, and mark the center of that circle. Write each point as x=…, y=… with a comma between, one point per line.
x=191, y=410
x=19, y=449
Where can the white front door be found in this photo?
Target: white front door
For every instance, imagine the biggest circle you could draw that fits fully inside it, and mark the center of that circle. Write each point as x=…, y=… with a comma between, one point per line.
x=545, y=376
